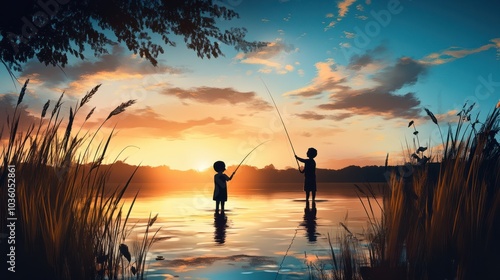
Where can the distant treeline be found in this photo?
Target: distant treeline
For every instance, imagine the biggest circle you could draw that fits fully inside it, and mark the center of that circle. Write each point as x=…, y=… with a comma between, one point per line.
x=121, y=171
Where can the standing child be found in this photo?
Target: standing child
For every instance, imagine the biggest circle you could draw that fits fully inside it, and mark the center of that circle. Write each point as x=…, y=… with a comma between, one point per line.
x=220, y=185
x=309, y=173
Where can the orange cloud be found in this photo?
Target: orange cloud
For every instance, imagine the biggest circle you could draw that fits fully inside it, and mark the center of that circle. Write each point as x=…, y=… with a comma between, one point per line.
x=268, y=57
x=454, y=53
x=213, y=95
x=151, y=123
x=344, y=7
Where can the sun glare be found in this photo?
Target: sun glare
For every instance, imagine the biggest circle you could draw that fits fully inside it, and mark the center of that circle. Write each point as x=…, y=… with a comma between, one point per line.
x=202, y=166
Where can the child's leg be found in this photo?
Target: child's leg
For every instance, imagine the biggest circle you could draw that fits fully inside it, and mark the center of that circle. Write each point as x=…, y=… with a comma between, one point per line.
x=217, y=206
x=307, y=195
x=313, y=195
x=222, y=206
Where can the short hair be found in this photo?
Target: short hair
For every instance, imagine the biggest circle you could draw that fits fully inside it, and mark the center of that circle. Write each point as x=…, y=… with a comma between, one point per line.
x=312, y=152
x=219, y=166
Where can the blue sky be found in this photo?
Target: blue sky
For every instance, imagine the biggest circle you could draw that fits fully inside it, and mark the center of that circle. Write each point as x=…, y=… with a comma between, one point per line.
x=347, y=77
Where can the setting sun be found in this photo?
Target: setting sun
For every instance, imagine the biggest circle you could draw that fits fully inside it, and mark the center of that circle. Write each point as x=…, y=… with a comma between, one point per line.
x=202, y=166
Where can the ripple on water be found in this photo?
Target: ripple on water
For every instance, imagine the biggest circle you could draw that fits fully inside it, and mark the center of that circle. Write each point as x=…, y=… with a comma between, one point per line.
x=255, y=238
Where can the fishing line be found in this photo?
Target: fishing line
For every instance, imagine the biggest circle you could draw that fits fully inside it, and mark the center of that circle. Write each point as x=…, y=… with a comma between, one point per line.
x=286, y=253
x=248, y=155
x=282, y=122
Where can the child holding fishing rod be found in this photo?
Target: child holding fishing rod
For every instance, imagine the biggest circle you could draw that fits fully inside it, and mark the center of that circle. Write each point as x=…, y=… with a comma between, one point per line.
x=220, y=181
x=309, y=163
x=309, y=173
x=220, y=188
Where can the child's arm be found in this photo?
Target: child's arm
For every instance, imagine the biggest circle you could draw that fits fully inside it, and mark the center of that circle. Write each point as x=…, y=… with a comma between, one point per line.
x=300, y=159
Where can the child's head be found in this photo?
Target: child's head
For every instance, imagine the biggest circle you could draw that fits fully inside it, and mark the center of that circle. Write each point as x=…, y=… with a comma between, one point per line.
x=219, y=166
x=312, y=153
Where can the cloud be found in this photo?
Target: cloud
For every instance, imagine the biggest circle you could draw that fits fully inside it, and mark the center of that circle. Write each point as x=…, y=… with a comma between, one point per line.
x=379, y=103
x=313, y=116
x=309, y=115
x=381, y=99
x=375, y=94
x=114, y=66
x=331, y=24
x=268, y=57
x=342, y=116
x=327, y=79
x=496, y=41
x=349, y=35
x=405, y=72
x=151, y=123
x=213, y=95
x=454, y=53
x=357, y=61
x=344, y=7
x=7, y=108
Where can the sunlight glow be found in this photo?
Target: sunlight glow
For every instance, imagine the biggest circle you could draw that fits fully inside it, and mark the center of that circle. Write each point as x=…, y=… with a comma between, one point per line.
x=202, y=166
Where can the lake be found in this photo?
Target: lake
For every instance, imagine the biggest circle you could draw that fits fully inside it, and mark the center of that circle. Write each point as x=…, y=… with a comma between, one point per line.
x=266, y=233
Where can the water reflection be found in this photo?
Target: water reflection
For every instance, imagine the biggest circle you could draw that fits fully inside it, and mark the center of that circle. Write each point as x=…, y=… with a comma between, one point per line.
x=220, y=224
x=310, y=221
x=201, y=245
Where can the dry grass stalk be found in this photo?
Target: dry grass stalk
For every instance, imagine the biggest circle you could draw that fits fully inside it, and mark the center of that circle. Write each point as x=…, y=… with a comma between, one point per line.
x=442, y=221
x=70, y=222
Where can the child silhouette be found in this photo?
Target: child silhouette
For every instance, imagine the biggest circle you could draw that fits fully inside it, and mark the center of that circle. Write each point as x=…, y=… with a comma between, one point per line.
x=309, y=173
x=220, y=185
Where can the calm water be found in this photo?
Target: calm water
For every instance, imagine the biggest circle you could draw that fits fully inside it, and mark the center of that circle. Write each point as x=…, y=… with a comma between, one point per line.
x=263, y=235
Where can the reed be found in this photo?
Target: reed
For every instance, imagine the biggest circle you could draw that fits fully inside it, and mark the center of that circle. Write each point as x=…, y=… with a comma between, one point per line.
x=71, y=225
x=441, y=220
x=346, y=258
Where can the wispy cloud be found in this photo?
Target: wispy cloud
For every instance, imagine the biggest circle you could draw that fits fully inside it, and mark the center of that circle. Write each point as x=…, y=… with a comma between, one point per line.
x=269, y=57
x=214, y=95
x=329, y=77
x=151, y=123
x=454, y=53
x=117, y=65
x=343, y=8
x=309, y=115
x=349, y=35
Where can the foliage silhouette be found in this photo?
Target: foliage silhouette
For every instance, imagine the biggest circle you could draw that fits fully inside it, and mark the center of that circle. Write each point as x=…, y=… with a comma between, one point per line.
x=49, y=30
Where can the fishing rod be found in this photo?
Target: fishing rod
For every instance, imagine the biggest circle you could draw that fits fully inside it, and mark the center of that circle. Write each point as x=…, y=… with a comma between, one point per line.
x=247, y=156
x=283, y=123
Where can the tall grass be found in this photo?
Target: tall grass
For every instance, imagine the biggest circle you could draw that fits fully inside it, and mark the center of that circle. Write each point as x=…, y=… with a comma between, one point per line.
x=70, y=225
x=346, y=258
x=443, y=220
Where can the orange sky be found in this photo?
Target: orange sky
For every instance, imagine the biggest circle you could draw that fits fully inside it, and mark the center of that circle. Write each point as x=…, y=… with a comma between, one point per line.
x=350, y=100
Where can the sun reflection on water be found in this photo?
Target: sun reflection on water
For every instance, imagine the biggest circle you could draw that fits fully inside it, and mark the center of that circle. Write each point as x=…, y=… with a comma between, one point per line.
x=250, y=240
